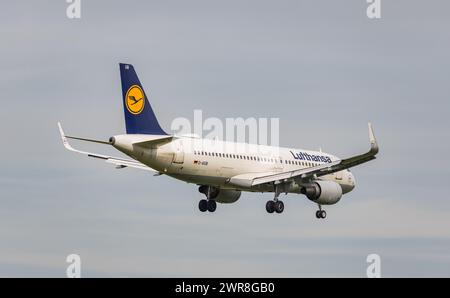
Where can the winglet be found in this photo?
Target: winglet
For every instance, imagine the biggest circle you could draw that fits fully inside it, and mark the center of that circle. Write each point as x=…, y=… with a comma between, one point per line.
x=64, y=139
x=373, y=141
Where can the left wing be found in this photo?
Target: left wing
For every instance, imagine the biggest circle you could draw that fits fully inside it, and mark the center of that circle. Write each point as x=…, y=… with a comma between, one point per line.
x=316, y=171
x=119, y=162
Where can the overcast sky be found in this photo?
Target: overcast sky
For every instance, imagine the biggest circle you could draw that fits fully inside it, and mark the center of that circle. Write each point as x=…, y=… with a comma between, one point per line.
x=323, y=68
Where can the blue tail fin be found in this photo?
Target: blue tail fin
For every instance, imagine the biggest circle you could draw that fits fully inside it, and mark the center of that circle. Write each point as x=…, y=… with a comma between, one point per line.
x=139, y=115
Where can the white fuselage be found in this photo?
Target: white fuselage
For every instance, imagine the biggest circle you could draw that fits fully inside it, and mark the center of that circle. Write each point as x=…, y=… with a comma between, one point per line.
x=214, y=162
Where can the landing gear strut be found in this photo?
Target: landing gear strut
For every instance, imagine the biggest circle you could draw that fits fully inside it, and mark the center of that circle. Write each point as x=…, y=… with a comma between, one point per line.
x=209, y=204
x=275, y=205
x=321, y=214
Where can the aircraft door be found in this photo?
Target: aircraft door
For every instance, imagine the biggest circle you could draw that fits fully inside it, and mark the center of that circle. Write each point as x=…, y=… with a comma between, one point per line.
x=178, y=156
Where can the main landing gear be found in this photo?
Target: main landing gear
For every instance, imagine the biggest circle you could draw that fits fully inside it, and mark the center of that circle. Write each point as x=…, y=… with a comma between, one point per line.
x=275, y=205
x=321, y=214
x=209, y=204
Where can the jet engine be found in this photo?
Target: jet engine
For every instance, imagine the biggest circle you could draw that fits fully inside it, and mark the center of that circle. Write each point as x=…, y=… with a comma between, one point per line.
x=228, y=196
x=322, y=192
x=220, y=195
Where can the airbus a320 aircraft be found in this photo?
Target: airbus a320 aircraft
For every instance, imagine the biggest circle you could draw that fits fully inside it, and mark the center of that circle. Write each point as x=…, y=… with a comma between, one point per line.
x=222, y=170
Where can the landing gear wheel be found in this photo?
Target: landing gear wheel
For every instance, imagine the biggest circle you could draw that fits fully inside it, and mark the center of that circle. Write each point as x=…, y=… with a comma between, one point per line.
x=318, y=214
x=279, y=206
x=212, y=205
x=270, y=206
x=323, y=214
x=203, y=205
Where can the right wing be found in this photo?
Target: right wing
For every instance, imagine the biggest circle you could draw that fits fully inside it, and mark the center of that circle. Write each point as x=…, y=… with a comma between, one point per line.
x=119, y=162
x=312, y=172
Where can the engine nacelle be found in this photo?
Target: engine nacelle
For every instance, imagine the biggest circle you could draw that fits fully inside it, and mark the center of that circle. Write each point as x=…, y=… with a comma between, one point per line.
x=227, y=196
x=223, y=196
x=323, y=192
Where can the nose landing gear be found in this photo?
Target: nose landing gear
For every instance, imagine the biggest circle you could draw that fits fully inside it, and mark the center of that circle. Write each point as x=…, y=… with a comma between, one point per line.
x=321, y=214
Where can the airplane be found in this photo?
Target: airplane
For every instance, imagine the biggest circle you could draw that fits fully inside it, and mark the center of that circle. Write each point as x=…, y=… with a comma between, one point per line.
x=223, y=170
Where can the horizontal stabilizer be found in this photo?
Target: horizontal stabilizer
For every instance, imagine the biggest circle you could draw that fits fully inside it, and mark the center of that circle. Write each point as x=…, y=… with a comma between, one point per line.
x=117, y=161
